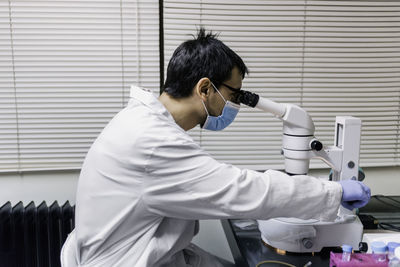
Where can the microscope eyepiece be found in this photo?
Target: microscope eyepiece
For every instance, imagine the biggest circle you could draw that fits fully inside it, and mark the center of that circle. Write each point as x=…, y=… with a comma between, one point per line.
x=249, y=98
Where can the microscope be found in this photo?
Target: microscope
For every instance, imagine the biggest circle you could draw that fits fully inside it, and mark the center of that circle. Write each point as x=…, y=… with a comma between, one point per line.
x=298, y=146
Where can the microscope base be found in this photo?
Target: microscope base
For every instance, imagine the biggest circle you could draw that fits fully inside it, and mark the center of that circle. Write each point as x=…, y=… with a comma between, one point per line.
x=300, y=236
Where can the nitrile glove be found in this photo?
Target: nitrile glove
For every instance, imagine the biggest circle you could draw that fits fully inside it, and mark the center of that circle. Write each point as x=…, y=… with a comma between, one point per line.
x=355, y=194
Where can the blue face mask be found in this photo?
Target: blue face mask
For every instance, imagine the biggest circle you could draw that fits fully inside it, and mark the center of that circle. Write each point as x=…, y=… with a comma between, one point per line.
x=222, y=121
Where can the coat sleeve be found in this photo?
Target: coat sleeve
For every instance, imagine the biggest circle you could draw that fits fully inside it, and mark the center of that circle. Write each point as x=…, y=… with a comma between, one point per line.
x=186, y=182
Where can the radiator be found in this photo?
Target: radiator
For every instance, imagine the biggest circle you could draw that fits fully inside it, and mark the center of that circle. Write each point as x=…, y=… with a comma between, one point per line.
x=32, y=236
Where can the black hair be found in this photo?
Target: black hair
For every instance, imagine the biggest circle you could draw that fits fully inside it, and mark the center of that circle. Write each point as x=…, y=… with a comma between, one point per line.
x=204, y=56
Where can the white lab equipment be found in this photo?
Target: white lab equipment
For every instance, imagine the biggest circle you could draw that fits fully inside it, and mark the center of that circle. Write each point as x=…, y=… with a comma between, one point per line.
x=299, y=146
x=379, y=251
x=395, y=261
x=385, y=236
x=391, y=248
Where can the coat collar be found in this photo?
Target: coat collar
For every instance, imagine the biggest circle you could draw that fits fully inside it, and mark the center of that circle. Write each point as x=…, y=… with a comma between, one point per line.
x=147, y=97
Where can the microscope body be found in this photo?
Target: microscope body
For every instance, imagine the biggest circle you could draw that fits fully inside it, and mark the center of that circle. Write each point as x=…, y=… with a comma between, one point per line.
x=298, y=146
x=295, y=235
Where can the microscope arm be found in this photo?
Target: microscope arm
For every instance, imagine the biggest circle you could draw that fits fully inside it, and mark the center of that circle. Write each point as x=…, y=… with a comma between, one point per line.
x=299, y=144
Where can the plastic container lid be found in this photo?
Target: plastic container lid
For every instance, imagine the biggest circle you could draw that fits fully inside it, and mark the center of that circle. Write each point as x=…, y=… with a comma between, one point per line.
x=392, y=246
x=347, y=248
x=397, y=253
x=378, y=246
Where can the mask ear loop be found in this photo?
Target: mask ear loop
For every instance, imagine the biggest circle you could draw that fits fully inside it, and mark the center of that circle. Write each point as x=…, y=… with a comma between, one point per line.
x=204, y=105
x=218, y=92
x=208, y=115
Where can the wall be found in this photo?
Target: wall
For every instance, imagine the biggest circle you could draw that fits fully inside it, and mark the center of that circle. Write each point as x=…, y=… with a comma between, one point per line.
x=38, y=186
x=61, y=186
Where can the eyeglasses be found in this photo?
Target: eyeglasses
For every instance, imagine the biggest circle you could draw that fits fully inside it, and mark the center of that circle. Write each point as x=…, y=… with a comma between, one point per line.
x=231, y=88
x=237, y=92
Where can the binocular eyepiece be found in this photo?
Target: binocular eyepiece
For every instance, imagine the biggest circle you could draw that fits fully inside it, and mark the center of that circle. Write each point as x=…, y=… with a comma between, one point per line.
x=248, y=98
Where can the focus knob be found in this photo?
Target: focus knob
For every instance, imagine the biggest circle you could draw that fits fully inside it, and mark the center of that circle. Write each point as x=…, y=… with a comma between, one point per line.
x=307, y=243
x=363, y=247
x=316, y=145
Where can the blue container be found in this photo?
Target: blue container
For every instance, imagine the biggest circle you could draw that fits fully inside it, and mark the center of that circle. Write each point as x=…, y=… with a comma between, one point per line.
x=379, y=251
x=346, y=255
x=391, y=247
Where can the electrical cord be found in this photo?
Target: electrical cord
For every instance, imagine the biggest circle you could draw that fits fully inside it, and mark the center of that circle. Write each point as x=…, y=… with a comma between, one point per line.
x=281, y=262
x=388, y=226
x=382, y=198
x=388, y=197
x=392, y=199
x=379, y=198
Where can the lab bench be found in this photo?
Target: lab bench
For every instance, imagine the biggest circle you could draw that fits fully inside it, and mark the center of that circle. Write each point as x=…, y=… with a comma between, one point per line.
x=248, y=250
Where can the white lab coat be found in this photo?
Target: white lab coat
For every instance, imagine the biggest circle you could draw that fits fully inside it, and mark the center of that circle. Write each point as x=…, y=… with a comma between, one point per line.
x=144, y=182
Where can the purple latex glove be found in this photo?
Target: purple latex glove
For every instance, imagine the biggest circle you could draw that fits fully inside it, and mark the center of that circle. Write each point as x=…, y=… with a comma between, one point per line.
x=355, y=194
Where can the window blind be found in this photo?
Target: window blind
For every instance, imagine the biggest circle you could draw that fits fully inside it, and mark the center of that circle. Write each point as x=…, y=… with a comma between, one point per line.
x=65, y=71
x=329, y=57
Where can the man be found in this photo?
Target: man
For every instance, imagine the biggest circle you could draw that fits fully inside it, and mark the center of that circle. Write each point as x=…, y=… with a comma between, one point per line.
x=145, y=182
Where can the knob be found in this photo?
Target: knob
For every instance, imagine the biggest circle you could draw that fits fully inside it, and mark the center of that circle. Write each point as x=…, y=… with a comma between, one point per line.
x=363, y=247
x=307, y=243
x=316, y=145
x=361, y=174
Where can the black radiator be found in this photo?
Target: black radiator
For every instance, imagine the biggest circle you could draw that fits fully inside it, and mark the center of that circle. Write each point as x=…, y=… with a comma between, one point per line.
x=32, y=236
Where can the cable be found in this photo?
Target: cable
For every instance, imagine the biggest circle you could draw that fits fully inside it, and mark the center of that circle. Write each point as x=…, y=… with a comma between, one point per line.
x=278, y=262
x=379, y=198
x=388, y=226
x=388, y=197
x=383, y=225
x=392, y=199
x=281, y=262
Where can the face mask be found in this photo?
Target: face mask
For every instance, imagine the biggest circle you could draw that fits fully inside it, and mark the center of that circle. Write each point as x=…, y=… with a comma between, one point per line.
x=222, y=121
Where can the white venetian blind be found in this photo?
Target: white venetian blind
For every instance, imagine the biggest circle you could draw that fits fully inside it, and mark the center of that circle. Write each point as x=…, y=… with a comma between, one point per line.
x=65, y=70
x=330, y=57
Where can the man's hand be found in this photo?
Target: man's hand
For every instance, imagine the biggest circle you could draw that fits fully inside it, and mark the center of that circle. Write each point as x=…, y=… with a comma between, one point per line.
x=355, y=194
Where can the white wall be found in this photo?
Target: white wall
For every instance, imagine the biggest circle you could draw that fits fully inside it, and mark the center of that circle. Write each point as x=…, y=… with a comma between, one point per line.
x=38, y=186
x=61, y=186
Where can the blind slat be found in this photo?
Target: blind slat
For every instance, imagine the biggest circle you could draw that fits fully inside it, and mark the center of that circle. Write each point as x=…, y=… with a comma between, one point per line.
x=68, y=66
x=330, y=57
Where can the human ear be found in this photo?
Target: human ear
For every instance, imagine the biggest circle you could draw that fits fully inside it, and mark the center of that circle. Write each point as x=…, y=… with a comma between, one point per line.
x=203, y=88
